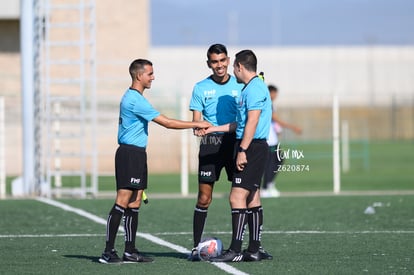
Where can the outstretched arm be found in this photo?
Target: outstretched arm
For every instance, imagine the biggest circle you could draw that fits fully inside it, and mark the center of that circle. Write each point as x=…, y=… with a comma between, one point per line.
x=172, y=123
x=285, y=124
x=227, y=128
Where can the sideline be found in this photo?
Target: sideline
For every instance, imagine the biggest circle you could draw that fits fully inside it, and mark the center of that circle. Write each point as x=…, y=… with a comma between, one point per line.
x=294, y=232
x=225, y=267
x=297, y=232
x=110, y=194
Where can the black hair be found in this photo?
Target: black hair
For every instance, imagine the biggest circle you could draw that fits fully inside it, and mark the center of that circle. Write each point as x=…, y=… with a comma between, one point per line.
x=138, y=65
x=217, y=49
x=272, y=88
x=248, y=59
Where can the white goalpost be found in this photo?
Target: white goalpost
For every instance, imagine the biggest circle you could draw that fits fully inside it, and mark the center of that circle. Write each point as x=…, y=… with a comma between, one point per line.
x=336, y=141
x=345, y=146
x=2, y=150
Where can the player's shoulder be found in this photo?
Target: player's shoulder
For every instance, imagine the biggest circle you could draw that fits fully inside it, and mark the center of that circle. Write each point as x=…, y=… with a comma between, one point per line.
x=129, y=95
x=134, y=95
x=206, y=81
x=134, y=98
x=257, y=83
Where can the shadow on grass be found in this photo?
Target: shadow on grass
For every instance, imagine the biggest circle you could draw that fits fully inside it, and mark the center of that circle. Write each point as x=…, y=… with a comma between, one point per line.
x=95, y=259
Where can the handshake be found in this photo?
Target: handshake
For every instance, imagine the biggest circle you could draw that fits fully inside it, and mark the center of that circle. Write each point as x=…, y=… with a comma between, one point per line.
x=226, y=128
x=201, y=132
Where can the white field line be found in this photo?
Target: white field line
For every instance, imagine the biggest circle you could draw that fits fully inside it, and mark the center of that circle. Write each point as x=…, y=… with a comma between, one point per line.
x=296, y=232
x=225, y=267
x=51, y=235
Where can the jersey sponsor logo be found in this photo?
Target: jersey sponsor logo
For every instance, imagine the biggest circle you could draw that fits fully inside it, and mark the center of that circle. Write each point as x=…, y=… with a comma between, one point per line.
x=209, y=94
x=205, y=173
x=135, y=181
x=237, y=180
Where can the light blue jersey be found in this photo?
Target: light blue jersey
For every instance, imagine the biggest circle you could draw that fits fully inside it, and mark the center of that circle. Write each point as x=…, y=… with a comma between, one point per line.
x=217, y=102
x=255, y=96
x=134, y=114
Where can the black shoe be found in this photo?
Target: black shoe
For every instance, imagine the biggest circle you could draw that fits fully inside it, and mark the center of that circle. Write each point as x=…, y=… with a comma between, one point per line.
x=136, y=257
x=251, y=257
x=264, y=255
x=193, y=257
x=110, y=257
x=228, y=256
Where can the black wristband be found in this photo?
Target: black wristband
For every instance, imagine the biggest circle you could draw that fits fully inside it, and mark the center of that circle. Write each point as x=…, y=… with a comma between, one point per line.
x=241, y=149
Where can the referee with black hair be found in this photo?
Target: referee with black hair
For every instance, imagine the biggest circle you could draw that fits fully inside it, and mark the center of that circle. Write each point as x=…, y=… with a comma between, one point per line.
x=131, y=161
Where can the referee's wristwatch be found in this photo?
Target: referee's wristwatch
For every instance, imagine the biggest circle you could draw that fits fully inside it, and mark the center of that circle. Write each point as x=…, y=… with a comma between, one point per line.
x=241, y=149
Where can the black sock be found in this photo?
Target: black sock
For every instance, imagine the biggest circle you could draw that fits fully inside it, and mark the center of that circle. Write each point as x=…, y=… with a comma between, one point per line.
x=255, y=221
x=238, y=217
x=130, y=227
x=199, y=220
x=112, y=225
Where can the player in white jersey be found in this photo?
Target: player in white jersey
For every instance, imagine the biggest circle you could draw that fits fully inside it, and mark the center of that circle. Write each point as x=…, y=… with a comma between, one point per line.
x=275, y=157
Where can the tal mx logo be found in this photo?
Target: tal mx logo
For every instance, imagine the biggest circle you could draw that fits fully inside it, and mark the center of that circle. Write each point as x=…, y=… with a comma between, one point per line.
x=288, y=153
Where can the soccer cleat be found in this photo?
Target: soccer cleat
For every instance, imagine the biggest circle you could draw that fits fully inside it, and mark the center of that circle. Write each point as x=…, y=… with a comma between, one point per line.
x=110, y=257
x=228, y=256
x=136, y=257
x=274, y=193
x=193, y=257
x=251, y=257
x=264, y=255
x=270, y=192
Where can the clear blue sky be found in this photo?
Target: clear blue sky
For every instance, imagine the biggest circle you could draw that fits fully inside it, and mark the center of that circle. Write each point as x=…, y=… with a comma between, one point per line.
x=282, y=22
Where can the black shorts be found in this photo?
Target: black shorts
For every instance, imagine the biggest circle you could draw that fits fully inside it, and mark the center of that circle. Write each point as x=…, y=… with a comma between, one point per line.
x=131, y=170
x=251, y=176
x=216, y=152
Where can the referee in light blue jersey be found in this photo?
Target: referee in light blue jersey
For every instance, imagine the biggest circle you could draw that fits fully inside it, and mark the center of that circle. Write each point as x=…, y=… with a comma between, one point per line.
x=214, y=99
x=253, y=122
x=131, y=161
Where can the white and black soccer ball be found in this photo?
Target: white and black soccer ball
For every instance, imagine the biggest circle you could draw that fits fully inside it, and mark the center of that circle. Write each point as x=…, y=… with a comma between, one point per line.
x=209, y=247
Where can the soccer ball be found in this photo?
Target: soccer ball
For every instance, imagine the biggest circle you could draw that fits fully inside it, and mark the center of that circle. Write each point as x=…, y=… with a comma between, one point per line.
x=209, y=248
